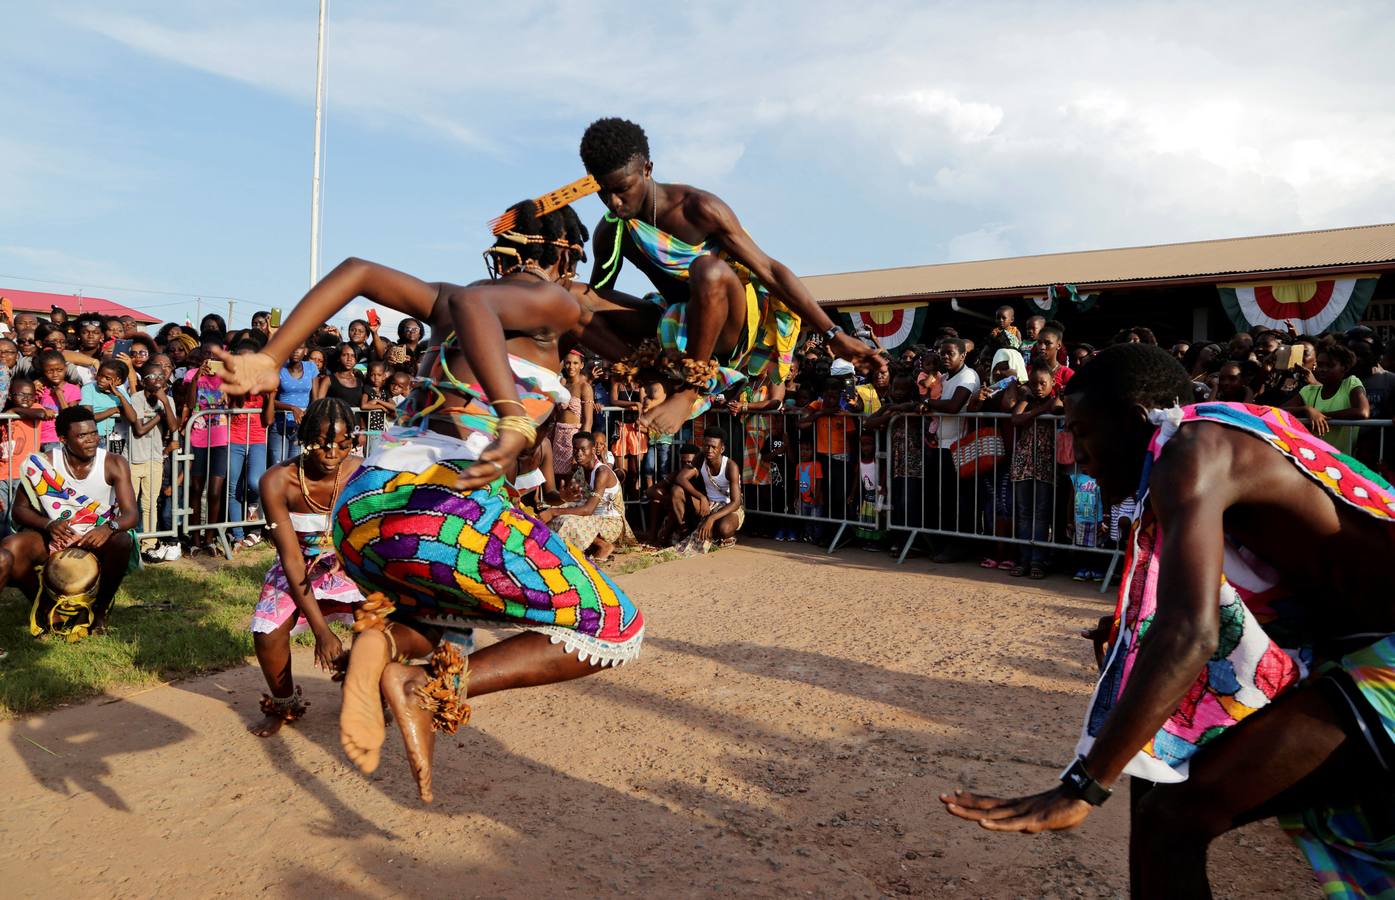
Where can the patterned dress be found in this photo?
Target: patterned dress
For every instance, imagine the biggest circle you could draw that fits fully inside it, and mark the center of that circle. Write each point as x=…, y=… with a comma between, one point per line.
x=456, y=559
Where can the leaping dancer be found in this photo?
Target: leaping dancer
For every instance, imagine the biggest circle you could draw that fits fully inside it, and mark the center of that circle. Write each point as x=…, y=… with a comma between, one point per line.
x=725, y=310
x=426, y=525
x=1260, y=555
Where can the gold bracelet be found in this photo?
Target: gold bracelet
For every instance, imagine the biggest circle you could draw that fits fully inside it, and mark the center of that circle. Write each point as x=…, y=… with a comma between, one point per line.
x=521, y=424
x=509, y=402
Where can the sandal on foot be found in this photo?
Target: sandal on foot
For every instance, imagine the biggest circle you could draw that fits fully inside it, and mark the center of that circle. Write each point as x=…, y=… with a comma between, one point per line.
x=1036, y=572
x=987, y=563
x=1018, y=570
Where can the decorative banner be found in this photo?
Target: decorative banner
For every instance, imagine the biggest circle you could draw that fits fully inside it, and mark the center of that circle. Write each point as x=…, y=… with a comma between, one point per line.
x=1050, y=304
x=893, y=325
x=1326, y=304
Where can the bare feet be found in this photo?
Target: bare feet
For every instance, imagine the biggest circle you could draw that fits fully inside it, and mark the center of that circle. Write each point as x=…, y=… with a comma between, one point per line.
x=267, y=726
x=399, y=684
x=669, y=416
x=361, y=726
x=601, y=550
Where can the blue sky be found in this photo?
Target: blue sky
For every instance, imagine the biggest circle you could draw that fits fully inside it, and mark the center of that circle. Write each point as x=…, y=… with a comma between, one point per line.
x=167, y=146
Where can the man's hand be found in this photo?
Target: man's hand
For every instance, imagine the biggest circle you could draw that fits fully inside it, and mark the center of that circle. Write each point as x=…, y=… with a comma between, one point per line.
x=499, y=458
x=96, y=538
x=704, y=530
x=865, y=358
x=248, y=373
x=60, y=533
x=1054, y=810
x=328, y=650
x=704, y=506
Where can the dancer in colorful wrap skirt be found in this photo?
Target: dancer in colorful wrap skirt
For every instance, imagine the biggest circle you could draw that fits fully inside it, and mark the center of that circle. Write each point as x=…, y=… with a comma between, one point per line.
x=1250, y=670
x=426, y=526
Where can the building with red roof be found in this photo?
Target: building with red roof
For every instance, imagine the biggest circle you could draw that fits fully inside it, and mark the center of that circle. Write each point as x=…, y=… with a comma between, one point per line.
x=43, y=302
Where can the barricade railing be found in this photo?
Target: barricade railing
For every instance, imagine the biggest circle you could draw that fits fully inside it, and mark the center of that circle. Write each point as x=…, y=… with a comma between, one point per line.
x=949, y=477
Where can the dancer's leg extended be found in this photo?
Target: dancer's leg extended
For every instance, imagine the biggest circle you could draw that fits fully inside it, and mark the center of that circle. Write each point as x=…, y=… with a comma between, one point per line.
x=361, y=724
x=525, y=660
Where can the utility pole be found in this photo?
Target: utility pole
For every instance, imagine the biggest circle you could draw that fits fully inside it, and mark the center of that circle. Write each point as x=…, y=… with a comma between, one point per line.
x=230, y=306
x=319, y=140
x=198, y=307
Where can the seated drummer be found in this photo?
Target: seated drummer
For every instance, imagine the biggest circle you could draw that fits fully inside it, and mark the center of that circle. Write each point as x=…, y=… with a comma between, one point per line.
x=102, y=526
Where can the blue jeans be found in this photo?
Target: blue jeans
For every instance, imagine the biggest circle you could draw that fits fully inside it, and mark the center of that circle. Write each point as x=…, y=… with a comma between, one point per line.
x=281, y=442
x=246, y=466
x=1033, y=511
x=657, y=461
x=813, y=531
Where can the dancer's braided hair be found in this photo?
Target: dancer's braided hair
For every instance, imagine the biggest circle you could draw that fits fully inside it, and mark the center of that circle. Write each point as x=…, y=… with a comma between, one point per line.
x=322, y=417
x=546, y=235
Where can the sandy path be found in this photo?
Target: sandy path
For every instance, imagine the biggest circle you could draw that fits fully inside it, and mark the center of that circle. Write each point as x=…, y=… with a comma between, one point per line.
x=786, y=731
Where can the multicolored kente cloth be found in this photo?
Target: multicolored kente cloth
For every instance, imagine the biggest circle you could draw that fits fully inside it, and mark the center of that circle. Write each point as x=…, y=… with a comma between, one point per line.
x=1263, y=649
x=766, y=349
x=456, y=559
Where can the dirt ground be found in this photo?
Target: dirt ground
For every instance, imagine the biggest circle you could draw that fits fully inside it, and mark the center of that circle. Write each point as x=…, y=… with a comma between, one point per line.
x=786, y=731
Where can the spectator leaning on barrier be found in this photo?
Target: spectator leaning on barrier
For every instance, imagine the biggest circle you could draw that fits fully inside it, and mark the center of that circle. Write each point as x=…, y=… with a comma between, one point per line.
x=952, y=502
x=155, y=422
x=1034, y=467
x=1338, y=395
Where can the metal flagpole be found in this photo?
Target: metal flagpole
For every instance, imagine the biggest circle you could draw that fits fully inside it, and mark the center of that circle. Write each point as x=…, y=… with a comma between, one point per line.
x=319, y=139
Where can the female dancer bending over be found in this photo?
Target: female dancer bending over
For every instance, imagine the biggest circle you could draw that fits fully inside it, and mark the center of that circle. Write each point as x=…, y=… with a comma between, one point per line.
x=306, y=588
x=426, y=520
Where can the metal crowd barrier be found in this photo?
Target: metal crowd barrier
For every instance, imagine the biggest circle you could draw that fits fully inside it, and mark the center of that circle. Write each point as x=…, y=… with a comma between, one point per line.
x=920, y=478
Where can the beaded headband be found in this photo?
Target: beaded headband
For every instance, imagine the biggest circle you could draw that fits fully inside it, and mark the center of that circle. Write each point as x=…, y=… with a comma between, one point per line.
x=549, y=202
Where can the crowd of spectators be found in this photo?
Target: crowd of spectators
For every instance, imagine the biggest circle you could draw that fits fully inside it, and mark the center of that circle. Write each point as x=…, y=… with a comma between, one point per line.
x=151, y=392
x=972, y=429
x=970, y=426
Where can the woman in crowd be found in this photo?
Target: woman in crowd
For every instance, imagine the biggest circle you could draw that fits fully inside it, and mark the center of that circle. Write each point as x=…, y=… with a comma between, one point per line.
x=343, y=382
x=576, y=415
x=295, y=384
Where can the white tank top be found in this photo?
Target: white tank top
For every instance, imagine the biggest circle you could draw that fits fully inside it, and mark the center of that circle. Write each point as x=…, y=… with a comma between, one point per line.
x=718, y=486
x=94, y=486
x=609, y=505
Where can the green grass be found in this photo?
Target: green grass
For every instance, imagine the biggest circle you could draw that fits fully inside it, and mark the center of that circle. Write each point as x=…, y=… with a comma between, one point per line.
x=169, y=621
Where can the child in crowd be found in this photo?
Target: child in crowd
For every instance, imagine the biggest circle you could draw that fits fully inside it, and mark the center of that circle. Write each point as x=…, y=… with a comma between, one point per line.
x=929, y=381
x=659, y=457
x=810, y=474
x=1088, y=524
x=399, y=388
x=774, y=496
x=662, y=516
x=19, y=438
x=109, y=405
x=999, y=394
x=1034, y=468
x=1006, y=333
x=208, y=439
x=154, y=420
x=376, y=404
x=247, y=457
x=305, y=588
x=869, y=497
x=55, y=393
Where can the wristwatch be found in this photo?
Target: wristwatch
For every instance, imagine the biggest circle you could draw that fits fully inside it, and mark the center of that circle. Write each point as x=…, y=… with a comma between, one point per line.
x=832, y=333
x=1083, y=786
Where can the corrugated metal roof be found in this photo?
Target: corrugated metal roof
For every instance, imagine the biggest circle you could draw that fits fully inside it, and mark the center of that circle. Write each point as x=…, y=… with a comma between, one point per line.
x=74, y=304
x=1367, y=244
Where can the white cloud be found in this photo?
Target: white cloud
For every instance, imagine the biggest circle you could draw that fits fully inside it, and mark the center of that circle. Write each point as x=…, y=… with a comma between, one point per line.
x=989, y=128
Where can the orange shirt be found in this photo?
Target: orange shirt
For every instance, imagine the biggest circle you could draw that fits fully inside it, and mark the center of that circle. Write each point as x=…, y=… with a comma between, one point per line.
x=831, y=432
x=21, y=439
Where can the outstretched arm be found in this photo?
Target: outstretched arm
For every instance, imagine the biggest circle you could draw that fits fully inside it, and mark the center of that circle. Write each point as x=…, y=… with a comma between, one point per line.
x=250, y=373
x=1191, y=491
x=717, y=219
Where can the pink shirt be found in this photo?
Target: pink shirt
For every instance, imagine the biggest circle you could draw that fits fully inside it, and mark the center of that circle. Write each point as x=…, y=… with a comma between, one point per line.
x=72, y=395
x=208, y=430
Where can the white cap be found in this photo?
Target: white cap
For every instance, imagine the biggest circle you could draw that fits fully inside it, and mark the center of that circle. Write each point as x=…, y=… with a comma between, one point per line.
x=840, y=367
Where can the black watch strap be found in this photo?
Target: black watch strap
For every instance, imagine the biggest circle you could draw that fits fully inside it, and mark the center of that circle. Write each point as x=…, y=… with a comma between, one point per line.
x=1083, y=786
x=832, y=333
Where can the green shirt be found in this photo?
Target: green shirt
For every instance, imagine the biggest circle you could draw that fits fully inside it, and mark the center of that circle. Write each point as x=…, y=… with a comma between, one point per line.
x=1339, y=437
